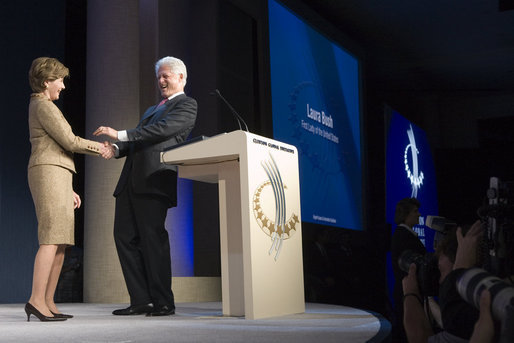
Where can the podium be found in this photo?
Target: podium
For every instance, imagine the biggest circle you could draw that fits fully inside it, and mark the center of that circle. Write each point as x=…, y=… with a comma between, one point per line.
x=260, y=220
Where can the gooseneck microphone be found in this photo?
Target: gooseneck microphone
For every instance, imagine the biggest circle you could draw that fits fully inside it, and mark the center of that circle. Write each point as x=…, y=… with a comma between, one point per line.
x=234, y=112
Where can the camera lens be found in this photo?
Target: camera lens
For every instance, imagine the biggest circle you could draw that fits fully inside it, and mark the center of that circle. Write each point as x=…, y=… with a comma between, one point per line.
x=407, y=258
x=427, y=272
x=475, y=280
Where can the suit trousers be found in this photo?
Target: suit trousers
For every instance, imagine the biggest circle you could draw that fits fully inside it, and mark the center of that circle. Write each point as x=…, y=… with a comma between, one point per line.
x=143, y=247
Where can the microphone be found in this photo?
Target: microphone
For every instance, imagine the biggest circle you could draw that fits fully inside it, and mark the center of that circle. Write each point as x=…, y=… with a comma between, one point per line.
x=234, y=112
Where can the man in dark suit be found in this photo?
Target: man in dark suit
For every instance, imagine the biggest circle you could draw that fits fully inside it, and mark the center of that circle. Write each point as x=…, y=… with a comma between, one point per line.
x=404, y=238
x=146, y=189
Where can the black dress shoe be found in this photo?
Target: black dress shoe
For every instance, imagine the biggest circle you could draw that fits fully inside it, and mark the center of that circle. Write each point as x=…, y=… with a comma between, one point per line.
x=134, y=309
x=162, y=311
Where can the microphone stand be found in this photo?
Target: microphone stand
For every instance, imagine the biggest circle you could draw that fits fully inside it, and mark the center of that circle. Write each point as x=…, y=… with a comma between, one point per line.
x=234, y=112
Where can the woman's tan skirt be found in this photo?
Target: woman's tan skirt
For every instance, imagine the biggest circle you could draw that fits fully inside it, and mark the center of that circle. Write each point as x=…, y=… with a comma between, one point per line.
x=52, y=192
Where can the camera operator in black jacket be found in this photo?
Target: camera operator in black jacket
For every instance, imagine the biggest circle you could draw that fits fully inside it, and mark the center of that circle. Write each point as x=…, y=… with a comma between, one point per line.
x=455, y=252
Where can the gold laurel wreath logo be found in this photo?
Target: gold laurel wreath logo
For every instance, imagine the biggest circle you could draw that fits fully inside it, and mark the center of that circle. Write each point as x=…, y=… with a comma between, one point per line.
x=265, y=223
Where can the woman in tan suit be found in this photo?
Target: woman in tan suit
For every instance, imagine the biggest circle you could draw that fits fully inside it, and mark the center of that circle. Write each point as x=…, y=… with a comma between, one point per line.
x=50, y=173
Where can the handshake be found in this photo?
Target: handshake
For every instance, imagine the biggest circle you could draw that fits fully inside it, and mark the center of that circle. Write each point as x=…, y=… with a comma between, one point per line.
x=108, y=150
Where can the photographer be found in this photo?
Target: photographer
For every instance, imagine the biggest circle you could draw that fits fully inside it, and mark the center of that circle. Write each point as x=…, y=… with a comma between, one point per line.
x=492, y=295
x=455, y=252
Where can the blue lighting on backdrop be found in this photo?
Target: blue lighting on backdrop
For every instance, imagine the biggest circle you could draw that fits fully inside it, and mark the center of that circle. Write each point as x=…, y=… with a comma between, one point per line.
x=179, y=224
x=410, y=172
x=315, y=87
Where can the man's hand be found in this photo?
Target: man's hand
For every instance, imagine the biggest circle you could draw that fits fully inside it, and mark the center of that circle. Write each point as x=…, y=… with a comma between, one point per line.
x=106, y=131
x=410, y=282
x=466, y=256
x=107, y=150
x=416, y=324
x=484, y=327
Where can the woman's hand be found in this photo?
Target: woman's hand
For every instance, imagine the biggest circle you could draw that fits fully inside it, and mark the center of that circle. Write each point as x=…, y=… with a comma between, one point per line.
x=76, y=200
x=106, y=131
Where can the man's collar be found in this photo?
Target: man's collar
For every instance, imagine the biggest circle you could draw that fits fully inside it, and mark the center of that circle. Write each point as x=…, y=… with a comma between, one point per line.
x=409, y=229
x=175, y=95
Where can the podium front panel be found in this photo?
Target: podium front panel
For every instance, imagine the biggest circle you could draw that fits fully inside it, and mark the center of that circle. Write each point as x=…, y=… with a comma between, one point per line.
x=273, y=242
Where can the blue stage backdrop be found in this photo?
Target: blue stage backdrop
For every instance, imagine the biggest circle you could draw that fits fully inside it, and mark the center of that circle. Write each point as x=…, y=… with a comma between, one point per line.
x=179, y=224
x=315, y=89
x=410, y=172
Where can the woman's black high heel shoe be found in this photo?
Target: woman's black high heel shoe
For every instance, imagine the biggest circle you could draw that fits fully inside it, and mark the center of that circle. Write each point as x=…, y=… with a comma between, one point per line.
x=29, y=309
x=62, y=315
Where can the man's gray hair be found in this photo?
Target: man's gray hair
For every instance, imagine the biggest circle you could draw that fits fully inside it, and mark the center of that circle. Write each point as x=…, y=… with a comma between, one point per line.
x=176, y=66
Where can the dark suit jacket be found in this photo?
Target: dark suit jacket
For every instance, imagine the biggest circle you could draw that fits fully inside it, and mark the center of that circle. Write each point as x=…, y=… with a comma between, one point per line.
x=159, y=128
x=401, y=241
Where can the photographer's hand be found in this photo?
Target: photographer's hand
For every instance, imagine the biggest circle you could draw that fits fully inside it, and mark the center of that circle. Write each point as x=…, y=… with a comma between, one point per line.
x=416, y=324
x=466, y=256
x=484, y=327
x=410, y=283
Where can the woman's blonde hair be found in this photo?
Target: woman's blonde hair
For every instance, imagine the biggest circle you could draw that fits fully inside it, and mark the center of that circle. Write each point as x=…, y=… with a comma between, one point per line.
x=45, y=69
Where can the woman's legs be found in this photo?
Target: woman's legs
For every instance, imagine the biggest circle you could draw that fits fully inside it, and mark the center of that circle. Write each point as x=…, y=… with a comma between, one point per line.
x=54, y=278
x=43, y=266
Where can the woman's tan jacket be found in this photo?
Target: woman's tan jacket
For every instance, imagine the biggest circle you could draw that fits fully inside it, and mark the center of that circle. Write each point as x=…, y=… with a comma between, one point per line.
x=52, y=138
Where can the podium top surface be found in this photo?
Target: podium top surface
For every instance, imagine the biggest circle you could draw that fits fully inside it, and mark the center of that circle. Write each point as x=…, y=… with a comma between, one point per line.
x=220, y=148
x=189, y=141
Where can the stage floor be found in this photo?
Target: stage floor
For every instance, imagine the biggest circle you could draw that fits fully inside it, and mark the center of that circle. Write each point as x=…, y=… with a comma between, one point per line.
x=194, y=322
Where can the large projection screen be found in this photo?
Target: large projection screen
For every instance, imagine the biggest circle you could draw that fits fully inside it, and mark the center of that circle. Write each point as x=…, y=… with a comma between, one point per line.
x=315, y=91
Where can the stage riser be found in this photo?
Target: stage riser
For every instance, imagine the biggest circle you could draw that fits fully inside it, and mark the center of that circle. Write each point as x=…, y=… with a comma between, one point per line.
x=196, y=289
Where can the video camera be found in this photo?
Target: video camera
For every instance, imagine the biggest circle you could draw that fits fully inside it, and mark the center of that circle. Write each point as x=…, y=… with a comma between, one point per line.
x=497, y=250
x=498, y=214
x=440, y=224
